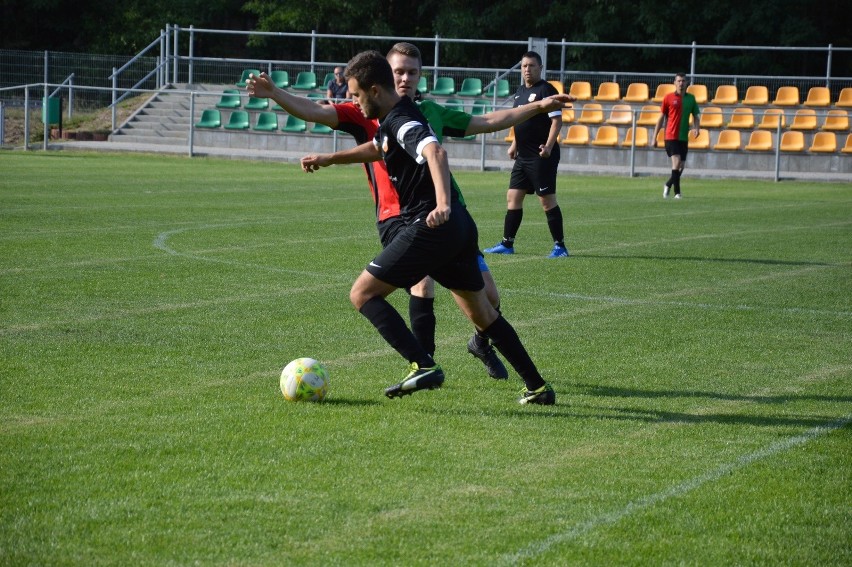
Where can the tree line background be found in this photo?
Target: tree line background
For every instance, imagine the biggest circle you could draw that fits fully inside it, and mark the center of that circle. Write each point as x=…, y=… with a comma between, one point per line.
x=124, y=27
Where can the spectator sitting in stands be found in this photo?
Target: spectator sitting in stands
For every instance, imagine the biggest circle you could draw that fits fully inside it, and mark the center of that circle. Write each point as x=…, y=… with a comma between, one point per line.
x=337, y=90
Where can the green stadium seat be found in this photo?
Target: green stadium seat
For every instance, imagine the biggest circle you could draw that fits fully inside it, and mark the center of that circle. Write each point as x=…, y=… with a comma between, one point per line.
x=239, y=120
x=480, y=107
x=423, y=85
x=305, y=81
x=471, y=86
x=266, y=122
x=321, y=129
x=245, y=76
x=502, y=89
x=230, y=99
x=280, y=79
x=210, y=118
x=294, y=124
x=444, y=86
x=255, y=103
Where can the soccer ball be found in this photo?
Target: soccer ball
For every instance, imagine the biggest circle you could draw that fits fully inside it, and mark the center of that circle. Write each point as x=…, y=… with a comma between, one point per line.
x=304, y=380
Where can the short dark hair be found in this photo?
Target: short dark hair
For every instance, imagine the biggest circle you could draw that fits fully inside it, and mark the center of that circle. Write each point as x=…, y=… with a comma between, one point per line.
x=680, y=74
x=532, y=55
x=370, y=68
x=407, y=49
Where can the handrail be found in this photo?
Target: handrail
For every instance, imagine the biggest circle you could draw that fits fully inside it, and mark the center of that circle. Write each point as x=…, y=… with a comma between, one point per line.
x=121, y=69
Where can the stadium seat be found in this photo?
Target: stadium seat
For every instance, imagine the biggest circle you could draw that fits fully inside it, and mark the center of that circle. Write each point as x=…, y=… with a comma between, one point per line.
x=620, y=114
x=567, y=115
x=818, y=96
x=608, y=92
x=792, y=141
x=661, y=139
x=844, y=100
x=636, y=92
x=649, y=115
x=471, y=86
x=210, y=118
x=728, y=140
x=305, y=81
x=726, y=94
x=444, y=86
x=502, y=89
x=455, y=104
x=787, y=96
x=606, y=136
x=847, y=147
x=510, y=137
x=742, y=118
x=318, y=128
x=266, y=122
x=699, y=142
x=239, y=120
x=230, y=99
x=581, y=90
x=662, y=90
x=280, y=79
x=836, y=121
x=294, y=124
x=804, y=119
x=316, y=97
x=699, y=92
x=824, y=142
x=770, y=119
x=323, y=86
x=759, y=141
x=592, y=113
x=255, y=103
x=756, y=95
x=711, y=117
x=641, y=137
x=423, y=85
x=480, y=106
x=245, y=76
x=560, y=88
x=578, y=135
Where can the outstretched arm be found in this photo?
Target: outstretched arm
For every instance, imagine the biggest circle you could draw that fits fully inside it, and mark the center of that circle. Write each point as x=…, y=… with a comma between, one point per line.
x=300, y=107
x=502, y=119
x=439, y=168
x=364, y=153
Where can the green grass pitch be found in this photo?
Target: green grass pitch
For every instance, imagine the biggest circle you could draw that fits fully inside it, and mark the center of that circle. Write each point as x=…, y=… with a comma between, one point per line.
x=700, y=350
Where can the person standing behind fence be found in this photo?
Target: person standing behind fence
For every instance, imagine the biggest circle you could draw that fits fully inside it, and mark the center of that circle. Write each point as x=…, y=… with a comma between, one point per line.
x=536, y=154
x=675, y=110
x=337, y=90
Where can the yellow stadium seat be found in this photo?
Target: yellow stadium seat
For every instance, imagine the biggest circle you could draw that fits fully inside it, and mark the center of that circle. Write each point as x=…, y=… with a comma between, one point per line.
x=804, y=119
x=581, y=90
x=756, y=95
x=792, y=141
x=824, y=142
x=728, y=140
x=742, y=118
x=560, y=88
x=606, y=136
x=620, y=114
x=847, y=147
x=699, y=92
x=845, y=98
x=649, y=115
x=759, y=141
x=699, y=142
x=770, y=119
x=636, y=92
x=661, y=139
x=567, y=115
x=726, y=94
x=608, y=92
x=641, y=138
x=592, y=113
x=711, y=117
x=662, y=90
x=787, y=96
x=510, y=137
x=818, y=96
x=836, y=121
x=578, y=135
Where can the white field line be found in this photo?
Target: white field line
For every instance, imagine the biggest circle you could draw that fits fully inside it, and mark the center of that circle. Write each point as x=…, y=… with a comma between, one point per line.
x=534, y=549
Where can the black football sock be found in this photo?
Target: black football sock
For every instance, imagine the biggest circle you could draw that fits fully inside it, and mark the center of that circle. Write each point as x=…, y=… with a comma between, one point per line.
x=554, y=223
x=671, y=180
x=511, y=225
x=421, y=313
x=392, y=328
x=677, y=181
x=506, y=341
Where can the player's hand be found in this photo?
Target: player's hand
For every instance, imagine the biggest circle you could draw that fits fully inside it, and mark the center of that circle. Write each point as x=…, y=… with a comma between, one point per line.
x=438, y=216
x=259, y=86
x=312, y=163
x=513, y=152
x=556, y=102
x=544, y=151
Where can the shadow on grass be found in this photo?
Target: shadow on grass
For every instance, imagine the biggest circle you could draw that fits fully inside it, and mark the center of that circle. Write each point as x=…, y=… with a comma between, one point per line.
x=615, y=392
x=702, y=259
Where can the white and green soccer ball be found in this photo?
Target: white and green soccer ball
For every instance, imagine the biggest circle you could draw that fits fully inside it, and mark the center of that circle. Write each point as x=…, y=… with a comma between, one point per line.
x=304, y=380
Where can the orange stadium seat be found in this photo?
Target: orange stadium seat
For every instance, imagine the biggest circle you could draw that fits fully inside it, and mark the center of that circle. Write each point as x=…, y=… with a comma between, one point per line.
x=756, y=95
x=804, y=119
x=578, y=135
x=836, y=121
x=760, y=141
x=567, y=115
x=818, y=96
x=711, y=117
x=844, y=100
x=699, y=92
x=699, y=142
x=787, y=96
x=847, y=147
x=792, y=141
x=620, y=114
x=726, y=94
x=770, y=119
x=824, y=142
x=636, y=92
x=606, y=136
x=728, y=140
x=510, y=137
x=742, y=118
x=662, y=90
x=608, y=92
x=649, y=115
x=661, y=139
x=560, y=88
x=581, y=90
x=592, y=113
x=641, y=138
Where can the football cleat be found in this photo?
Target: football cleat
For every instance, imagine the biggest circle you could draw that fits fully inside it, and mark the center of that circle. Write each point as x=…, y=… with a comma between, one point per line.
x=501, y=249
x=493, y=365
x=417, y=379
x=558, y=252
x=544, y=396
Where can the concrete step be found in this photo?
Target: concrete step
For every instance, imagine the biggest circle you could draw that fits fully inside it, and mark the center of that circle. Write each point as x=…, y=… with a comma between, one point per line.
x=161, y=140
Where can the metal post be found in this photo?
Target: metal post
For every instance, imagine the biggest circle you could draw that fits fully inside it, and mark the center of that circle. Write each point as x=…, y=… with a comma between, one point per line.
x=175, y=56
x=2, y=122
x=167, y=56
x=191, y=121
x=161, y=59
x=437, y=48
x=45, y=106
x=828, y=68
x=70, y=94
x=778, y=152
x=562, y=62
x=633, y=144
x=26, y=118
x=692, y=65
x=313, y=49
x=114, y=96
x=191, y=53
